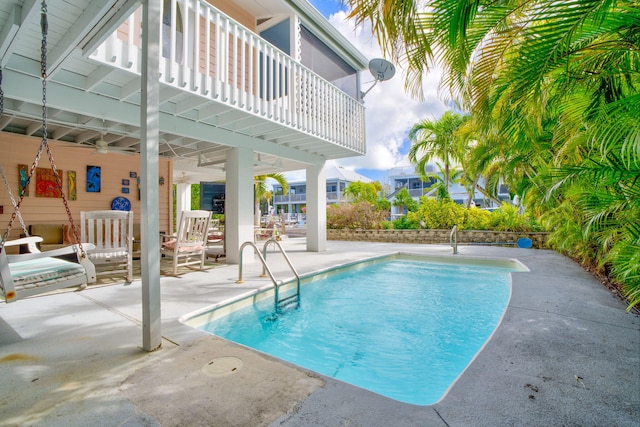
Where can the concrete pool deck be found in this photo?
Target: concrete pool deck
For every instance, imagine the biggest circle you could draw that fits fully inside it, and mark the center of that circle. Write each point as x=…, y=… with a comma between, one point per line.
x=566, y=353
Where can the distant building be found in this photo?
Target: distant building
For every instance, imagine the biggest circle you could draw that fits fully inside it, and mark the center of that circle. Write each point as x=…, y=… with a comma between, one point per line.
x=407, y=177
x=295, y=200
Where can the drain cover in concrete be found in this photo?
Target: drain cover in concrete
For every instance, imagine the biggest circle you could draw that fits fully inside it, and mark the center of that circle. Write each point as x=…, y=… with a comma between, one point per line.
x=221, y=366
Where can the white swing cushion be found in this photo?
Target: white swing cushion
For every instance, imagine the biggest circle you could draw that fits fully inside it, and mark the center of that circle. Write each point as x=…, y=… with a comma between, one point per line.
x=44, y=272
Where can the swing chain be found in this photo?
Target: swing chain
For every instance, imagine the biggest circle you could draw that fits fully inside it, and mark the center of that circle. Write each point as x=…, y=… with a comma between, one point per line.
x=5, y=235
x=45, y=28
x=43, y=64
x=1, y=95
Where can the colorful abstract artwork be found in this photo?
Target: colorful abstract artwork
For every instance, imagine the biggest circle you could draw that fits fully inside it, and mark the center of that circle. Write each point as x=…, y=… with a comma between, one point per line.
x=47, y=184
x=23, y=171
x=72, y=185
x=93, y=179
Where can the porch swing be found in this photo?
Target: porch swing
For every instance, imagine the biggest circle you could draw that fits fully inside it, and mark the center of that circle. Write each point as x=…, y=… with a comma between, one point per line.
x=36, y=272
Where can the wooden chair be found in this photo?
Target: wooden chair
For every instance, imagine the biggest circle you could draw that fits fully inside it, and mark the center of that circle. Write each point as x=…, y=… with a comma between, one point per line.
x=112, y=234
x=188, y=246
x=216, y=242
x=37, y=272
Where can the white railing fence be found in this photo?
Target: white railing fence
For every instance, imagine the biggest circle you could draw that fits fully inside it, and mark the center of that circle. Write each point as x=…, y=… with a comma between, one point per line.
x=209, y=54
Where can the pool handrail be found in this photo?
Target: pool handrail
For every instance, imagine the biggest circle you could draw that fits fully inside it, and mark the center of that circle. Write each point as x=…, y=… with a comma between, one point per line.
x=262, y=260
x=266, y=268
x=286, y=257
x=453, y=239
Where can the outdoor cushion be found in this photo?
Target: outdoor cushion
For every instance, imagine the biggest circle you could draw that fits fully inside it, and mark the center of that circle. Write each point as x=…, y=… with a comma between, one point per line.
x=43, y=272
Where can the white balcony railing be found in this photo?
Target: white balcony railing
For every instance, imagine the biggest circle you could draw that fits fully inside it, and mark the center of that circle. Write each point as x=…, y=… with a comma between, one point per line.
x=209, y=54
x=290, y=198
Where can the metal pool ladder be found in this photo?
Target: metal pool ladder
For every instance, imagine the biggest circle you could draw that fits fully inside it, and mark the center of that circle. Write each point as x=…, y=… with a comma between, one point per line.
x=453, y=239
x=266, y=271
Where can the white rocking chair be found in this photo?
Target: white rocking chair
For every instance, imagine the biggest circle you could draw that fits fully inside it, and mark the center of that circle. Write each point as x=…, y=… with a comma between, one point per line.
x=36, y=272
x=112, y=234
x=188, y=246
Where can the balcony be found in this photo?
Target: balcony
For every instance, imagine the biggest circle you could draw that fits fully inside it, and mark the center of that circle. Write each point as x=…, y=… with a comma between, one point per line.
x=236, y=80
x=295, y=198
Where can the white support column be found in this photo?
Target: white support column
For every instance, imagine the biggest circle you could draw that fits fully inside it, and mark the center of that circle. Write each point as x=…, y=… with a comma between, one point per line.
x=238, y=214
x=183, y=198
x=294, y=30
x=316, y=208
x=150, y=194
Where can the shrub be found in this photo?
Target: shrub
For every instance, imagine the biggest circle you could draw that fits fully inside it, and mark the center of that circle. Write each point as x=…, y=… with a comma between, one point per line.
x=359, y=215
x=403, y=223
x=477, y=219
x=507, y=218
x=437, y=214
x=387, y=225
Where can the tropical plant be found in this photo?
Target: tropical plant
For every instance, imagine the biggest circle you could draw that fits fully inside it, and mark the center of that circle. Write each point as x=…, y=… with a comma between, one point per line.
x=262, y=192
x=404, y=200
x=403, y=223
x=370, y=192
x=436, y=140
x=507, y=218
x=437, y=214
x=477, y=219
x=358, y=191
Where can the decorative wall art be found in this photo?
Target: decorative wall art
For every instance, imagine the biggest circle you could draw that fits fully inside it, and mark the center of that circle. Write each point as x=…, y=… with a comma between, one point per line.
x=125, y=182
x=93, y=179
x=133, y=174
x=125, y=190
x=72, y=185
x=46, y=183
x=120, y=204
x=23, y=173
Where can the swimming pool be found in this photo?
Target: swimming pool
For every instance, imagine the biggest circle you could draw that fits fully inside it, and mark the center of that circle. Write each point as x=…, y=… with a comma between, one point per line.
x=400, y=326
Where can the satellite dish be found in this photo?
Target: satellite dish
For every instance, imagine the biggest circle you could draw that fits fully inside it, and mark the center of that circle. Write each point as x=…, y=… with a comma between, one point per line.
x=381, y=70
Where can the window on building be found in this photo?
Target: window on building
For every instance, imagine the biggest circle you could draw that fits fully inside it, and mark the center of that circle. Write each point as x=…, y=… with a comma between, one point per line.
x=166, y=31
x=323, y=61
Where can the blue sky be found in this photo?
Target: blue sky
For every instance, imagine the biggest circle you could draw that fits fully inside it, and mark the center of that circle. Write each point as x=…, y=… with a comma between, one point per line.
x=328, y=7
x=390, y=111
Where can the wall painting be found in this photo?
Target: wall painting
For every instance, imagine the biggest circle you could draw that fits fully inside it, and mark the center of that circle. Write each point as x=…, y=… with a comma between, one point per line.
x=23, y=174
x=93, y=179
x=47, y=184
x=72, y=186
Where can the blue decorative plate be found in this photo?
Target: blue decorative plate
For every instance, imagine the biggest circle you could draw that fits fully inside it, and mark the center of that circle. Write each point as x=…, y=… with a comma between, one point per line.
x=120, y=204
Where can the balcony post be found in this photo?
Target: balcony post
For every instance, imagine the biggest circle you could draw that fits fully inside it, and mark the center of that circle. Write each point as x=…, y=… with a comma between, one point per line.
x=316, y=208
x=238, y=215
x=183, y=198
x=149, y=137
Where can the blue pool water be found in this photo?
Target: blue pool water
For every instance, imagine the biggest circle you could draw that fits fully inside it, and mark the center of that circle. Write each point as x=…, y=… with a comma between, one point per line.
x=403, y=328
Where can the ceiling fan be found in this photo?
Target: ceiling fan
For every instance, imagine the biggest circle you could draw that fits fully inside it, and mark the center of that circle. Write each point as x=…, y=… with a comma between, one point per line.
x=102, y=147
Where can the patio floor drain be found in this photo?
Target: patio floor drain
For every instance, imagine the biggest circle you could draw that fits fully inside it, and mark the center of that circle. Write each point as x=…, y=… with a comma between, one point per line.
x=222, y=366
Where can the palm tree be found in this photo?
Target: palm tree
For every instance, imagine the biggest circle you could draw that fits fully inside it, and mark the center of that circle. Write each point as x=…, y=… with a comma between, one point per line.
x=262, y=192
x=359, y=191
x=436, y=139
x=558, y=83
x=404, y=200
